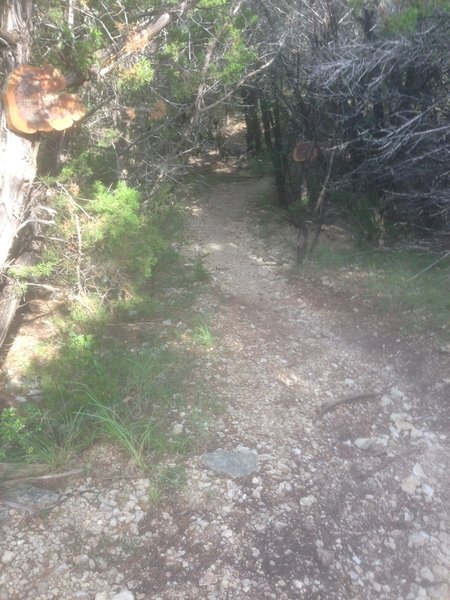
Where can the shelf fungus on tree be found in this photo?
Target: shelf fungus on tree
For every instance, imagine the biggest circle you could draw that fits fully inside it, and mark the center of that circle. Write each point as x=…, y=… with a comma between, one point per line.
x=305, y=151
x=34, y=100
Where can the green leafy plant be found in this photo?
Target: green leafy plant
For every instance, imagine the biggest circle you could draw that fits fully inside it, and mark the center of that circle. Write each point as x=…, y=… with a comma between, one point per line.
x=17, y=431
x=139, y=75
x=41, y=270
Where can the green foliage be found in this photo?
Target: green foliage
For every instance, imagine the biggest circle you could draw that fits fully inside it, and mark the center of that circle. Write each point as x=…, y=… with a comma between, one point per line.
x=77, y=169
x=172, y=477
x=94, y=385
x=87, y=165
x=212, y=29
x=236, y=59
x=17, y=431
x=262, y=165
x=405, y=16
x=39, y=271
x=397, y=279
x=203, y=336
x=125, y=238
x=84, y=49
x=138, y=76
x=92, y=390
x=108, y=137
x=112, y=249
x=117, y=212
x=361, y=212
x=137, y=438
x=403, y=22
x=200, y=273
x=66, y=48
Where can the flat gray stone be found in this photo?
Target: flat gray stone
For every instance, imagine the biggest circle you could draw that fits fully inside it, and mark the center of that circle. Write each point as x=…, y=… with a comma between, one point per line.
x=325, y=557
x=234, y=463
x=31, y=495
x=364, y=443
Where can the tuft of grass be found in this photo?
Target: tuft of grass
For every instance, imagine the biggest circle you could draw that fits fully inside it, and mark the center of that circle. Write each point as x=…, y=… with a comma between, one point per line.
x=199, y=272
x=203, y=336
x=166, y=480
x=172, y=476
x=136, y=438
x=406, y=280
x=61, y=440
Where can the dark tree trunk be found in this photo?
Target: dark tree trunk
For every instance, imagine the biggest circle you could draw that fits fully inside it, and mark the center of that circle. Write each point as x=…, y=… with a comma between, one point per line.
x=266, y=118
x=279, y=160
x=253, y=128
x=18, y=162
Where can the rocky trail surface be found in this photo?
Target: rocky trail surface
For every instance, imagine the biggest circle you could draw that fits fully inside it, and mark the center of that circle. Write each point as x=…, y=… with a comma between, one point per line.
x=327, y=470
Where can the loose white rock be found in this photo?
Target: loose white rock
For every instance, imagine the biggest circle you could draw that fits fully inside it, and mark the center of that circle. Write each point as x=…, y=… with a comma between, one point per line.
x=426, y=575
x=397, y=394
x=177, y=429
x=227, y=533
x=418, y=539
x=209, y=578
x=307, y=500
x=8, y=557
x=427, y=490
x=410, y=485
x=386, y=401
x=124, y=595
x=418, y=471
x=364, y=443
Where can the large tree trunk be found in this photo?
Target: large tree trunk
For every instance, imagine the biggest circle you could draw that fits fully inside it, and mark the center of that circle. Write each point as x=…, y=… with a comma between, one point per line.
x=18, y=159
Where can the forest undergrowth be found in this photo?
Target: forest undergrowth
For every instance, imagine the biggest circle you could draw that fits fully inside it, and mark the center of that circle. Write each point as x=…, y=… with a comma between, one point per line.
x=128, y=351
x=126, y=346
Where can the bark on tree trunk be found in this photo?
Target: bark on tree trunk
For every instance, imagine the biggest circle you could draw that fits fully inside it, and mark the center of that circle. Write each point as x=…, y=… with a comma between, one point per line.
x=17, y=158
x=278, y=159
x=253, y=128
x=266, y=117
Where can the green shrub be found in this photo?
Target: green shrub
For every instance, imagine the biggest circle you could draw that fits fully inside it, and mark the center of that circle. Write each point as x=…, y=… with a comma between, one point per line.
x=16, y=434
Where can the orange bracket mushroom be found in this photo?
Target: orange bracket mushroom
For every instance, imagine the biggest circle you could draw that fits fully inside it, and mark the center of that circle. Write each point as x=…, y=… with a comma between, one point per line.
x=33, y=100
x=305, y=151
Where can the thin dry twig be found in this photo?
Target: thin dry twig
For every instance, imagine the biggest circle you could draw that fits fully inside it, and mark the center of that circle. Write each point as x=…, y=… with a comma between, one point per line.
x=441, y=258
x=386, y=463
x=325, y=408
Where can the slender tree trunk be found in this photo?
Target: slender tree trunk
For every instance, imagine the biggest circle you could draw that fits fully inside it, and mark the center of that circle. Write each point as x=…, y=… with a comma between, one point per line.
x=266, y=118
x=279, y=159
x=253, y=128
x=18, y=158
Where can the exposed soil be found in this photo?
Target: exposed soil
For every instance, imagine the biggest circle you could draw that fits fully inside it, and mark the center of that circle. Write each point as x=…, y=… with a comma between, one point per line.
x=348, y=420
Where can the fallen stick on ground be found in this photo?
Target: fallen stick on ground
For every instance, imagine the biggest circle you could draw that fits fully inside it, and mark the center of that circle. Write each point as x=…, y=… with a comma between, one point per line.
x=386, y=463
x=11, y=481
x=347, y=400
x=18, y=506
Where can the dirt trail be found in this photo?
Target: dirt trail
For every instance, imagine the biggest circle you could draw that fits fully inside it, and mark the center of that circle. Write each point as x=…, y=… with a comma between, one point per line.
x=351, y=504
x=313, y=522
